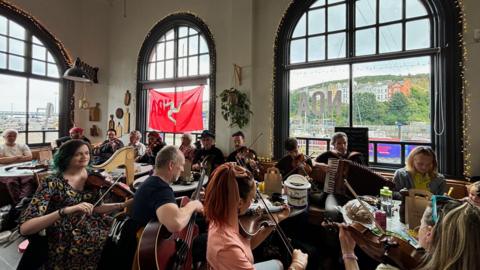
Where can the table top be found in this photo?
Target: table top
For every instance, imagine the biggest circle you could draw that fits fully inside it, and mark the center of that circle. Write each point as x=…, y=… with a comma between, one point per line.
x=294, y=211
x=141, y=169
x=177, y=188
x=12, y=170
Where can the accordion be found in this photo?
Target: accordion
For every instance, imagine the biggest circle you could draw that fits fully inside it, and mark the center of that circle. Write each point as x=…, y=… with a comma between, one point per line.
x=363, y=180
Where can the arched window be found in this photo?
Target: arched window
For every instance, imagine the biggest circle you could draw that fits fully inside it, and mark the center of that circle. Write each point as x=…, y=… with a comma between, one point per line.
x=177, y=57
x=34, y=100
x=378, y=64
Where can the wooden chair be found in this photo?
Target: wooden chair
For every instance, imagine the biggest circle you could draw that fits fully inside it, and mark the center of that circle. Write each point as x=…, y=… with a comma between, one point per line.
x=460, y=188
x=122, y=157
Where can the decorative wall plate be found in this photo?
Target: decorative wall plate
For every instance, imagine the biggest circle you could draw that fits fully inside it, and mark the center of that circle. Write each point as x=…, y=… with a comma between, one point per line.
x=119, y=113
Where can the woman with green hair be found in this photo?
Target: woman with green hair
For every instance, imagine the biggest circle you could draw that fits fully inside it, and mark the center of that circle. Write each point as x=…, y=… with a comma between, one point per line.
x=63, y=207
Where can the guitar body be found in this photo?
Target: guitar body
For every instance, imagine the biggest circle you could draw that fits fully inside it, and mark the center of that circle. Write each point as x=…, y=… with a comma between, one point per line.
x=158, y=248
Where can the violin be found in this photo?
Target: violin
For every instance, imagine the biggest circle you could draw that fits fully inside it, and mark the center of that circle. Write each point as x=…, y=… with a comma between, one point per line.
x=247, y=159
x=98, y=181
x=384, y=248
x=301, y=161
x=254, y=220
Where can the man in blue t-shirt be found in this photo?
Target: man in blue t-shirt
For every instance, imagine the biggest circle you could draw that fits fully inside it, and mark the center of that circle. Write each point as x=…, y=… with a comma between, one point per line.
x=155, y=198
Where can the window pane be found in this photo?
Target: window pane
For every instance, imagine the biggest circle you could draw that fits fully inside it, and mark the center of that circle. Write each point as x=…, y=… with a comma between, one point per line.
x=336, y=45
x=316, y=21
x=182, y=31
x=203, y=45
x=161, y=51
x=151, y=71
x=16, y=63
x=182, y=47
x=415, y=8
x=204, y=64
x=319, y=99
x=170, y=35
x=392, y=99
x=390, y=38
x=334, y=1
x=169, y=69
x=3, y=44
x=38, y=67
x=365, y=41
x=365, y=12
x=52, y=71
x=390, y=10
x=297, y=51
x=316, y=48
x=160, y=70
x=16, y=46
x=3, y=25
x=193, y=45
x=3, y=60
x=193, y=66
x=153, y=55
x=43, y=105
x=16, y=30
x=38, y=52
x=36, y=40
x=337, y=18
x=192, y=31
x=182, y=67
x=13, y=102
x=50, y=58
x=50, y=137
x=318, y=3
x=418, y=34
x=34, y=137
x=300, y=28
x=169, y=53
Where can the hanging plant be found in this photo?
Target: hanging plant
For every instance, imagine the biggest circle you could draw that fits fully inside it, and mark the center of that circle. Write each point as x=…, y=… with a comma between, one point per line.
x=235, y=107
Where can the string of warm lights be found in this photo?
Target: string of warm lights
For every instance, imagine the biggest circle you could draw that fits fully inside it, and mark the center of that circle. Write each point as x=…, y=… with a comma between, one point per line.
x=466, y=121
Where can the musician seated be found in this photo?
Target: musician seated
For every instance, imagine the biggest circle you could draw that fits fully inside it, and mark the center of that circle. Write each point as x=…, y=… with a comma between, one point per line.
x=12, y=152
x=106, y=149
x=214, y=155
x=76, y=229
x=135, y=136
x=76, y=133
x=186, y=147
x=155, y=144
x=454, y=224
x=294, y=162
x=339, y=143
x=229, y=194
x=239, y=144
x=420, y=172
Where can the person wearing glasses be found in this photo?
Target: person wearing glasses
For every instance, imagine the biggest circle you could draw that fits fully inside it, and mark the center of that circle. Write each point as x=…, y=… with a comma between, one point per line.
x=420, y=172
x=446, y=223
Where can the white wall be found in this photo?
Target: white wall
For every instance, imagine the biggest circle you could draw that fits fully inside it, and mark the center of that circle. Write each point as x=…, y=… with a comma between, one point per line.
x=244, y=32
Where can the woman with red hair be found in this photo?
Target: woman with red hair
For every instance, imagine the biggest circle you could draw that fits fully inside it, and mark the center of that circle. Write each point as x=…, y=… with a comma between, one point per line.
x=229, y=195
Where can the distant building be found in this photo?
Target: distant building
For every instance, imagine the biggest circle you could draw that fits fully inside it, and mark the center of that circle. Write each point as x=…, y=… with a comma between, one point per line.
x=403, y=87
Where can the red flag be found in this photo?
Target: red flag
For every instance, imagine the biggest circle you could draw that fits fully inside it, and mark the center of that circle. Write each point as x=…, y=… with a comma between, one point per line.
x=176, y=111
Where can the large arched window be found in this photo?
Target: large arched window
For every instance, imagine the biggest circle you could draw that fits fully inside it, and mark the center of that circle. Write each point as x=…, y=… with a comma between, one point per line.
x=367, y=63
x=177, y=57
x=34, y=99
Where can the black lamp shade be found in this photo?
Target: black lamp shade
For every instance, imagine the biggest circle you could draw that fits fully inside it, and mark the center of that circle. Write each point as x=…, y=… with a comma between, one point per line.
x=75, y=73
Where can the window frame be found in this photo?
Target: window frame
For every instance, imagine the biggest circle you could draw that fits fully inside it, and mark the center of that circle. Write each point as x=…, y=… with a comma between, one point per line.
x=66, y=99
x=444, y=27
x=152, y=38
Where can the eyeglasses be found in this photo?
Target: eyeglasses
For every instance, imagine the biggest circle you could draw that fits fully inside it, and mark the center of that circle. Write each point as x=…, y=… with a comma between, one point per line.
x=438, y=200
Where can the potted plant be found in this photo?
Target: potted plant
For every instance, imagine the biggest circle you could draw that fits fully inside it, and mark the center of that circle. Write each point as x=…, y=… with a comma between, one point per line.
x=235, y=107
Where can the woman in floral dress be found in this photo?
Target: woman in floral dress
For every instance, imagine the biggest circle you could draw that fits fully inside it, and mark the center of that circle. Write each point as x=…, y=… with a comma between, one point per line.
x=64, y=206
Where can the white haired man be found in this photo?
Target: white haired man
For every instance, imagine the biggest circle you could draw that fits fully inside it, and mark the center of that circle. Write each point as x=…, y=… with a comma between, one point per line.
x=12, y=152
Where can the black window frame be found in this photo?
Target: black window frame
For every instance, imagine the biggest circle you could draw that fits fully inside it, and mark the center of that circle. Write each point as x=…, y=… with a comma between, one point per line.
x=63, y=61
x=447, y=51
x=152, y=38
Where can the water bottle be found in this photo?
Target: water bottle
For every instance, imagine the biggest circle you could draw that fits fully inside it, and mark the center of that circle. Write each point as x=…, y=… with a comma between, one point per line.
x=386, y=200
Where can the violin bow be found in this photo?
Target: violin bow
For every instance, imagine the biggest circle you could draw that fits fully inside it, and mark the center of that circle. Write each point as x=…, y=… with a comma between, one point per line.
x=279, y=230
x=362, y=203
x=255, y=140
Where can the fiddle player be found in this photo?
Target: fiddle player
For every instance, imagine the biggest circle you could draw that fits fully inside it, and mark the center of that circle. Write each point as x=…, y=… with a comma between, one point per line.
x=229, y=194
x=76, y=231
x=108, y=147
x=215, y=155
x=294, y=162
x=12, y=152
x=453, y=224
x=155, y=144
x=339, y=143
x=239, y=144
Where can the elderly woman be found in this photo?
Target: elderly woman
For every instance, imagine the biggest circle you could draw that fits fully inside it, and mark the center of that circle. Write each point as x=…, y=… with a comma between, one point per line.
x=186, y=147
x=135, y=137
x=12, y=152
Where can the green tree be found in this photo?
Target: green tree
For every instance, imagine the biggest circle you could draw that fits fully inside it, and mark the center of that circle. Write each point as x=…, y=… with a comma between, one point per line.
x=366, y=109
x=398, y=110
x=420, y=105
